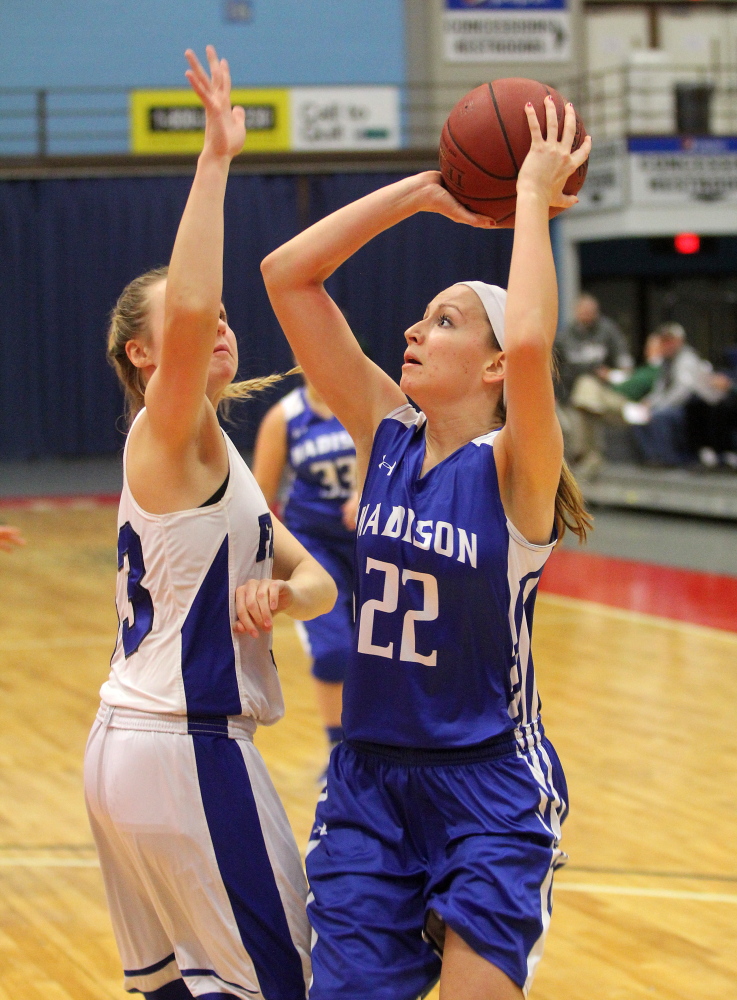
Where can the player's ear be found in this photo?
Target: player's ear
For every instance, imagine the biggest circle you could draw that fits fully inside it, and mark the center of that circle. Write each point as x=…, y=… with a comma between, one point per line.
x=495, y=369
x=138, y=353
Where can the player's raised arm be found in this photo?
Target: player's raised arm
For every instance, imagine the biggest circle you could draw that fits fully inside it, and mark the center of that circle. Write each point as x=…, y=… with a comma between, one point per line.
x=175, y=393
x=356, y=390
x=532, y=443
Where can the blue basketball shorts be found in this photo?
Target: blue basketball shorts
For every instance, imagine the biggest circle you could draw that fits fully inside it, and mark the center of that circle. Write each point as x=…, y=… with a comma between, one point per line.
x=329, y=638
x=402, y=848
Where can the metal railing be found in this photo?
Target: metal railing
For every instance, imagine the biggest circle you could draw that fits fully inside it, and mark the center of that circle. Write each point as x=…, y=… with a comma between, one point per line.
x=628, y=100
x=657, y=100
x=63, y=121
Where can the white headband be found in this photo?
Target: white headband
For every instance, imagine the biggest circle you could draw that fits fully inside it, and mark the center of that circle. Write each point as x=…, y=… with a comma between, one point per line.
x=494, y=300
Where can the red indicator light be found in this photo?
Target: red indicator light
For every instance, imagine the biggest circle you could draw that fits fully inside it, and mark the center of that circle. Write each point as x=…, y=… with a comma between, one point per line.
x=687, y=243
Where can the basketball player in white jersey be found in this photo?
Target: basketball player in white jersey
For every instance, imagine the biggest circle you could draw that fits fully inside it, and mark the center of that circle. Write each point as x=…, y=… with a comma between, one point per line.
x=202, y=874
x=439, y=830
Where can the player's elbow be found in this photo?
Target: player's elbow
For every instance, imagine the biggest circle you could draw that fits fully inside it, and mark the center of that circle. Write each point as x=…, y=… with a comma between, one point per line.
x=329, y=592
x=323, y=593
x=529, y=349
x=270, y=267
x=283, y=270
x=277, y=273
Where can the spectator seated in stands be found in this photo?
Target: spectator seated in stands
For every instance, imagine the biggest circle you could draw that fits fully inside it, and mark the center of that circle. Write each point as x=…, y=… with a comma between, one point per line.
x=608, y=398
x=594, y=346
x=660, y=430
x=711, y=428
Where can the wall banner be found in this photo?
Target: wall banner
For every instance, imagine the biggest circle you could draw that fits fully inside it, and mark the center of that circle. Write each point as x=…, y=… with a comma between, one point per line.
x=277, y=120
x=345, y=118
x=676, y=170
x=606, y=178
x=506, y=31
x=173, y=121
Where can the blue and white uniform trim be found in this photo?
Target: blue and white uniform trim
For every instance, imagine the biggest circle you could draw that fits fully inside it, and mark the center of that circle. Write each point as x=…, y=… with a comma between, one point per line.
x=203, y=878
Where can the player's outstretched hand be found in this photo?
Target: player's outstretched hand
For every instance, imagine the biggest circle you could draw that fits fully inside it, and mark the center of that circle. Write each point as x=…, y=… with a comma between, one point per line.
x=435, y=197
x=225, y=127
x=10, y=538
x=550, y=162
x=256, y=603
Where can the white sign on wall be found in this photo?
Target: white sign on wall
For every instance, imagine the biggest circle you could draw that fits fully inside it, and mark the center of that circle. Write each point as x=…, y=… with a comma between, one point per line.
x=673, y=170
x=507, y=31
x=345, y=118
x=606, y=177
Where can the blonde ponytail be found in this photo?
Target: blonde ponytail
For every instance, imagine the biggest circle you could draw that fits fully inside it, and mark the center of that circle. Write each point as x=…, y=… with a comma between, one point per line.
x=244, y=390
x=570, y=507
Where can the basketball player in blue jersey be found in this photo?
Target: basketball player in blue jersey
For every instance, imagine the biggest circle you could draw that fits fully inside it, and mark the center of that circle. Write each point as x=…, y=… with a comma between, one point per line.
x=203, y=877
x=301, y=432
x=438, y=833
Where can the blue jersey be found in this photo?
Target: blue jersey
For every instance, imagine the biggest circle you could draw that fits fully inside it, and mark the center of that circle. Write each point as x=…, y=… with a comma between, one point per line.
x=322, y=457
x=445, y=589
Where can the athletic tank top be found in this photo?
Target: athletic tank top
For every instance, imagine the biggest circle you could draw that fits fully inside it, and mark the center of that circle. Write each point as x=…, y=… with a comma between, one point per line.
x=444, y=594
x=322, y=458
x=177, y=574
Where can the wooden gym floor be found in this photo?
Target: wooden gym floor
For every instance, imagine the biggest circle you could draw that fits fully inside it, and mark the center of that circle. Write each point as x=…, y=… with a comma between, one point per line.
x=641, y=709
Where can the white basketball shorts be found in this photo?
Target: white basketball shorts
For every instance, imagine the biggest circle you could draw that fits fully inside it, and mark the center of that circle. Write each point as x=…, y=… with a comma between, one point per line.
x=202, y=874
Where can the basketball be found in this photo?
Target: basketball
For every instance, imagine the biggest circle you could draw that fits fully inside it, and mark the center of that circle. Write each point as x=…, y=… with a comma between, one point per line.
x=485, y=139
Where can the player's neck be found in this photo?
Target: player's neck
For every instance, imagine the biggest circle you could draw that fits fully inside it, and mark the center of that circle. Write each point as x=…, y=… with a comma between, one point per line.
x=448, y=431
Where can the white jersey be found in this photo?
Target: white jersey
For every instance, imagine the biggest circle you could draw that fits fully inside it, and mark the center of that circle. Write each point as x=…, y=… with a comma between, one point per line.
x=176, y=651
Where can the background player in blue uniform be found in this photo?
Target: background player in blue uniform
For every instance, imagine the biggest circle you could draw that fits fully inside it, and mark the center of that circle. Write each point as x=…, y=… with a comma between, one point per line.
x=300, y=431
x=443, y=805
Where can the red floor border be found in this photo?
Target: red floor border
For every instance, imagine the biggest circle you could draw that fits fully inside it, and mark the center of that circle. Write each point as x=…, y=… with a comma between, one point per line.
x=80, y=500
x=681, y=594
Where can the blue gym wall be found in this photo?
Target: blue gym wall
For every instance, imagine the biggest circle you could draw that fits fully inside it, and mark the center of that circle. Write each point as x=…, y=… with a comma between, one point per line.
x=140, y=43
x=70, y=246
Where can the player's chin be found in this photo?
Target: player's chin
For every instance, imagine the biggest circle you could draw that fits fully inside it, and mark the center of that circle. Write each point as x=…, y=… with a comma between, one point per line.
x=223, y=366
x=410, y=376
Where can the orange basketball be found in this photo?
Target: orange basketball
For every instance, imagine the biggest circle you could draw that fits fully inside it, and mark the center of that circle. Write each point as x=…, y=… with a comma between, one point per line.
x=485, y=139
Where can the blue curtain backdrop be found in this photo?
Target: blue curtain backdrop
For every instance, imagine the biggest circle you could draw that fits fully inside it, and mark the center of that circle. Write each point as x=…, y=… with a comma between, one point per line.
x=68, y=247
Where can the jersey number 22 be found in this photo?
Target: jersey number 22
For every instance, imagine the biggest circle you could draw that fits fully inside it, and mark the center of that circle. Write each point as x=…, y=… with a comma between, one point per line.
x=388, y=605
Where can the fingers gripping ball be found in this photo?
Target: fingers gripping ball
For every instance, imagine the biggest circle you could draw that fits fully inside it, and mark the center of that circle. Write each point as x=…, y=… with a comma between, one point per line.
x=485, y=140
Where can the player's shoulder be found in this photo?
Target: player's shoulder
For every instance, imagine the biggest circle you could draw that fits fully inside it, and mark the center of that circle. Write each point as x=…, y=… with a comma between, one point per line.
x=403, y=416
x=293, y=404
x=400, y=424
x=397, y=430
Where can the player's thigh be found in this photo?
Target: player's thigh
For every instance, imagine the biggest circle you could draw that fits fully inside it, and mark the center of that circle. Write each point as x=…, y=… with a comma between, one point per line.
x=367, y=889
x=468, y=976
x=367, y=931
x=493, y=885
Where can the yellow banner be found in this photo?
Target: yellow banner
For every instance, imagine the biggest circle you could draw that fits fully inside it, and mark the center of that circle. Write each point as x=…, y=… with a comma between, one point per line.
x=173, y=121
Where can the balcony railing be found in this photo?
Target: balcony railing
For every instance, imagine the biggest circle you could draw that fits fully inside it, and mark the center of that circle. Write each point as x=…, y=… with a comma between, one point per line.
x=640, y=98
